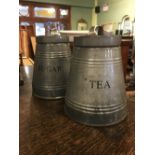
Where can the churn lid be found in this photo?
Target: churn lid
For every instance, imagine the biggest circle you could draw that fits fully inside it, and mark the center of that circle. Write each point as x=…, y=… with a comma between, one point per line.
x=52, y=39
x=97, y=41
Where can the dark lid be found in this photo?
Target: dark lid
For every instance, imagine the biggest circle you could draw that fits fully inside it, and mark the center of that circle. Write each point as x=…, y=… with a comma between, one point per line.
x=52, y=39
x=97, y=41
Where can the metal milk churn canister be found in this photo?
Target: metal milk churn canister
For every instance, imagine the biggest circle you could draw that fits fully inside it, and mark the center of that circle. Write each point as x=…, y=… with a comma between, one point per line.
x=95, y=92
x=51, y=66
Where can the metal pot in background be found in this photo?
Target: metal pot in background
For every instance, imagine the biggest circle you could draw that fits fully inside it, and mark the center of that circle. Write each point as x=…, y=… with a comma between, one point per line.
x=96, y=91
x=51, y=66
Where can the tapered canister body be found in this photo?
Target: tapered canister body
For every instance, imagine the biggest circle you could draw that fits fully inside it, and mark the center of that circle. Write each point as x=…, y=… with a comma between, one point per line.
x=51, y=67
x=96, y=91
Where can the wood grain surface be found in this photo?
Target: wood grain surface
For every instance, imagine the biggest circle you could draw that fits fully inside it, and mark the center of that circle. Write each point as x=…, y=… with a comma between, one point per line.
x=46, y=130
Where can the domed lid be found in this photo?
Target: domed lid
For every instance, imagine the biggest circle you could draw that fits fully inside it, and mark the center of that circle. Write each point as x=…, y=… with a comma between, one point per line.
x=97, y=41
x=52, y=39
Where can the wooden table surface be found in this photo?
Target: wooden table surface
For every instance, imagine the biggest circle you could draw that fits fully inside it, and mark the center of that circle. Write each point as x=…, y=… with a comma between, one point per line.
x=46, y=130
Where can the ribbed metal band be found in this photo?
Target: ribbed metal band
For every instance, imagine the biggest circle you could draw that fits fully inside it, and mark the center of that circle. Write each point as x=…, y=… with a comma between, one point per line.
x=92, y=109
x=53, y=50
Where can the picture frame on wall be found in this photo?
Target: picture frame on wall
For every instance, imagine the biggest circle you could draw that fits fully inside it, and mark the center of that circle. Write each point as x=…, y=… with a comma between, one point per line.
x=82, y=24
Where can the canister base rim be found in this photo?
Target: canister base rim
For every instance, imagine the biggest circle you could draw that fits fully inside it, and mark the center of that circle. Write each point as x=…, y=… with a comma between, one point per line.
x=48, y=98
x=96, y=119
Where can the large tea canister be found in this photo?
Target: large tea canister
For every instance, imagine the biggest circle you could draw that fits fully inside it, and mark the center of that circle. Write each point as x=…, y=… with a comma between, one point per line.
x=96, y=91
x=51, y=66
